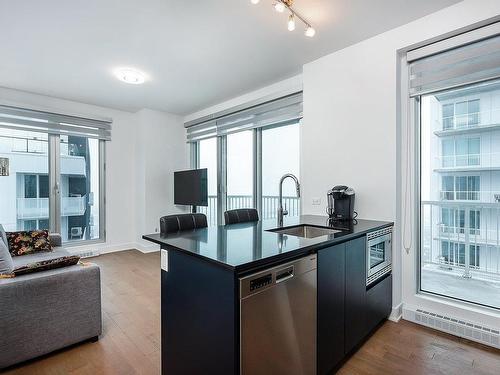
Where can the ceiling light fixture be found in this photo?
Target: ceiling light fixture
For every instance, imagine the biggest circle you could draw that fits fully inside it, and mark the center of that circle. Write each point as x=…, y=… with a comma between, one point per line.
x=131, y=76
x=281, y=5
x=291, y=22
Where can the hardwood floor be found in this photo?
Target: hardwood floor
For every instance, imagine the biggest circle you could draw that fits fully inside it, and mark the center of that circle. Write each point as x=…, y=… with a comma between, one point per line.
x=130, y=343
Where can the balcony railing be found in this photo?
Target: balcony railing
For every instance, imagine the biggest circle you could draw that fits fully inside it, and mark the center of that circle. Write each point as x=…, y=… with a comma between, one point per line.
x=471, y=196
x=269, y=206
x=469, y=161
x=38, y=208
x=466, y=241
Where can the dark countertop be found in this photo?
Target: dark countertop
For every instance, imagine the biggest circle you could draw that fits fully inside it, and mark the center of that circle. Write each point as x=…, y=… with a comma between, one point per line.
x=248, y=246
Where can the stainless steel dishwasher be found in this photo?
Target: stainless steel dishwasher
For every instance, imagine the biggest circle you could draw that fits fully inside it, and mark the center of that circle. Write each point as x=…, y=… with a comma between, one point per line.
x=278, y=320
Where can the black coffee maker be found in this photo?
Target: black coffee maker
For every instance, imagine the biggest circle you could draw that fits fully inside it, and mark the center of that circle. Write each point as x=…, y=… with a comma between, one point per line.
x=341, y=203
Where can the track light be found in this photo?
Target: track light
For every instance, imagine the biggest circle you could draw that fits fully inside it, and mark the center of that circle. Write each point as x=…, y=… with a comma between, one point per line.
x=291, y=22
x=282, y=5
x=279, y=7
x=310, y=32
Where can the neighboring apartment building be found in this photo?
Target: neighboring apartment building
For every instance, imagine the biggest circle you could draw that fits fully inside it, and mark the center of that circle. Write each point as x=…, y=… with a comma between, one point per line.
x=26, y=189
x=461, y=219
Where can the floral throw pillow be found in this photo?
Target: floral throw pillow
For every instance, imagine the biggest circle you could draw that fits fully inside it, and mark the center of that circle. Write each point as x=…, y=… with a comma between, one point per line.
x=28, y=242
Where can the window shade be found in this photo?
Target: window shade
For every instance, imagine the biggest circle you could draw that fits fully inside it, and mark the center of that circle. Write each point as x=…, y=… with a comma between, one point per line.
x=54, y=123
x=471, y=63
x=286, y=110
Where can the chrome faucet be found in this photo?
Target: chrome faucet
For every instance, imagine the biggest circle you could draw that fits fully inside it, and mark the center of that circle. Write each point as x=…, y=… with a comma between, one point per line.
x=283, y=211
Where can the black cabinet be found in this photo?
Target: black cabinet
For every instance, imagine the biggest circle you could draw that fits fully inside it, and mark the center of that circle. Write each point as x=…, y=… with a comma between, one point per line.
x=379, y=302
x=331, y=290
x=355, y=293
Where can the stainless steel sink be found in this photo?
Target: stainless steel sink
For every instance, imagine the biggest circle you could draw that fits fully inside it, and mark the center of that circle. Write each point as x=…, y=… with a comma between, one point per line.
x=306, y=231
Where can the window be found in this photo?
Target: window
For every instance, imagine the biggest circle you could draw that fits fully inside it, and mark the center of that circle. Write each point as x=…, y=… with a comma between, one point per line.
x=56, y=179
x=461, y=152
x=207, y=158
x=459, y=226
x=240, y=167
x=453, y=221
x=79, y=193
x=240, y=170
x=460, y=187
x=453, y=253
x=277, y=163
x=461, y=114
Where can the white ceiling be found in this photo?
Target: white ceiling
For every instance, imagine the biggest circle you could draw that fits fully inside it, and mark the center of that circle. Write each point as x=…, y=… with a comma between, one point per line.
x=196, y=53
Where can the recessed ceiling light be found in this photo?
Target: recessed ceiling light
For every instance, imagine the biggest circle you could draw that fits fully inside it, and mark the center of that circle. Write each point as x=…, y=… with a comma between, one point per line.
x=131, y=76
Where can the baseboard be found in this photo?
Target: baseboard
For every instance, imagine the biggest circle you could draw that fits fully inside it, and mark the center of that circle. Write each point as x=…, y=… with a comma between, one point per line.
x=149, y=248
x=101, y=248
x=396, y=313
x=453, y=325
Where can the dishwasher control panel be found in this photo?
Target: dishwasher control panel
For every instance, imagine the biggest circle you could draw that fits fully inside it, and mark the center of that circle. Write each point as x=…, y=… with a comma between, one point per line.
x=261, y=282
x=274, y=277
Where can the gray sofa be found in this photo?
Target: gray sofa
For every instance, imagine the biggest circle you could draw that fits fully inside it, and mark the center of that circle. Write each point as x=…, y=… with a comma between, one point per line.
x=49, y=310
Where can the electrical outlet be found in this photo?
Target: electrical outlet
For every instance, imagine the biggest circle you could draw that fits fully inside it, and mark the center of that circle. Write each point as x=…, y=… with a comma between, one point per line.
x=316, y=201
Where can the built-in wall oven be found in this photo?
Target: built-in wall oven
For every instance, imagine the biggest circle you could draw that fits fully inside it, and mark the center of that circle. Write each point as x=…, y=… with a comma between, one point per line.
x=378, y=254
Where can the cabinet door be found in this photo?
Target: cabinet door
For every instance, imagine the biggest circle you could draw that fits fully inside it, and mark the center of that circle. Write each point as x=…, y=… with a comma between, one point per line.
x=355, y=293
x=379, y=302
x=331, y=277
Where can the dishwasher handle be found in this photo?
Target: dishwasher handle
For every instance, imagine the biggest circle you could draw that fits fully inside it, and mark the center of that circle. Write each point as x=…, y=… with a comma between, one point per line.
x=284, y=274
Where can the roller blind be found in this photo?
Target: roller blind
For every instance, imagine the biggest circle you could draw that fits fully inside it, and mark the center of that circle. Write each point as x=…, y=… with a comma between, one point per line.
x=54, y=123
x=460, y=64
x=282, y=111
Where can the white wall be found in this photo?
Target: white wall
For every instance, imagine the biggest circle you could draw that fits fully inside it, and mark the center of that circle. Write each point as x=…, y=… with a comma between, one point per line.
x=145, y=150
x=161, y=150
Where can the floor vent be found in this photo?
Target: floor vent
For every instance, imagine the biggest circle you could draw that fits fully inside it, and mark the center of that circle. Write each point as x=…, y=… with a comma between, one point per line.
x=458, y=327
x=88, y=254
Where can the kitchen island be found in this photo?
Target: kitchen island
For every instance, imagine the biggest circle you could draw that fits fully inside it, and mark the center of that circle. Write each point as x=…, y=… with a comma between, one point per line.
x=202, y=273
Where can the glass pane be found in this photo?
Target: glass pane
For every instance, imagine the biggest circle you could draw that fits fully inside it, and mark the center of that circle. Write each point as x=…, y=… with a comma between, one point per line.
x=240, y=170
x=460, y=251
x=208, y=159
x=377, y=254
x=79, y=188
x=448, y=116
x=448, y=189
x=474, y=151
x=280, y=155
x=23, y=196
x=461, y=114
x=448, y=157
x=462, y=152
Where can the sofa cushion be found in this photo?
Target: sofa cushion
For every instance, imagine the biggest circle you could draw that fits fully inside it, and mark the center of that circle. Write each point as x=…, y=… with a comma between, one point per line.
x=58, y=252
x=3, y=236
x=6, y=264
x=28, y=242
x=45, y=265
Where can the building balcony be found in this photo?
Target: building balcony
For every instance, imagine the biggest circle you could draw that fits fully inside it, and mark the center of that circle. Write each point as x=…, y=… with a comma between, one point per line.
x=468, y=162
x=38, y=208
x=470, y=122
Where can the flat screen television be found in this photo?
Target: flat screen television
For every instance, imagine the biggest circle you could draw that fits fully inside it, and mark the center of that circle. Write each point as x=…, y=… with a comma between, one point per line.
x=191, y=187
